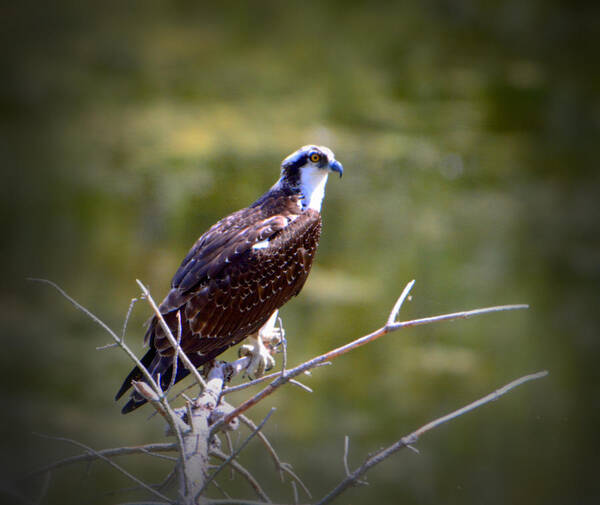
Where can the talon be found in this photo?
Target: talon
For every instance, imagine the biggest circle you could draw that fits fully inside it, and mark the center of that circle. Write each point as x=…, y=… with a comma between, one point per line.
x=260, y=347
x=270, y=335
x=260, y=357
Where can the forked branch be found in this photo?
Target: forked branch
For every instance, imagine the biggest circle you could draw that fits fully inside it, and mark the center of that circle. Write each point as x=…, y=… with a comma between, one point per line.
x=390, y=326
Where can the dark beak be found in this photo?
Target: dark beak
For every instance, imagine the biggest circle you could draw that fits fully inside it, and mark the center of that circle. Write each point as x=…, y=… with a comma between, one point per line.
x=336, y=166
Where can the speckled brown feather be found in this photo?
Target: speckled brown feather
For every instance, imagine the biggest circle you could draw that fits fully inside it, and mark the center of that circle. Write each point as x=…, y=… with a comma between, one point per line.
x=225, y=290
x=233, y=294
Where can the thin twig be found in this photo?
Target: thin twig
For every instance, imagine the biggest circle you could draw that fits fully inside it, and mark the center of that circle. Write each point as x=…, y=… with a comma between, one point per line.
x=466, y=314
x=235, y=501
x=346, y=467
x=398, y=305
x=107, y=346
x=44, y=488
x=234, y=454
x=170, y=416
x=185, y=360
x=284, y=343
x=384, y=330
x=127, y=316
x=280, y=465
x=129, y=489
x=346, y=444
x=145, y=503
x=190, y=414
x=264, y=378
x=220, y=489
x=177, y=350
x=243, y=472
x=98, y=321
x=166, y=411
x=478, y=403
x=167, y=480
x=300, y=385
x=111, y=463
x=379, y=456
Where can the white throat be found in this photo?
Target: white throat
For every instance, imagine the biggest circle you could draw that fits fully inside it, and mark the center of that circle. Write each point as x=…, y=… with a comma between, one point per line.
x=312, y=185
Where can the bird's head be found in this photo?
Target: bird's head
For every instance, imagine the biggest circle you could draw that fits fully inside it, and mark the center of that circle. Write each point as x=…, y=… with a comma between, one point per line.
x=310, y=159
x=306, y=172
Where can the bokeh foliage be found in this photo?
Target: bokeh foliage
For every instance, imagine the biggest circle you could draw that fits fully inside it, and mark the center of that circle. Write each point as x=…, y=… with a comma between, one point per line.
x=469, y=138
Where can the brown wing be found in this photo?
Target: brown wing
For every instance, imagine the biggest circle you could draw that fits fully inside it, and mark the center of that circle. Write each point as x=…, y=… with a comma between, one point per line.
x=225, y=290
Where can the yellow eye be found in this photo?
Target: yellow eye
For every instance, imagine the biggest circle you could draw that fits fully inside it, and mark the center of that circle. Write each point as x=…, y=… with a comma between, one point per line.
x=315, y=157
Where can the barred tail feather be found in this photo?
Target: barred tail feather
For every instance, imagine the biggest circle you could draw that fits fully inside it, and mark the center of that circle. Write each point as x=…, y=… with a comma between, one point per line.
x=136, y=373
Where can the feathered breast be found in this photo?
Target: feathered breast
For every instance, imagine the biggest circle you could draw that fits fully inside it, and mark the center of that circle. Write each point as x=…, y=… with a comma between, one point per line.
x=226, y=289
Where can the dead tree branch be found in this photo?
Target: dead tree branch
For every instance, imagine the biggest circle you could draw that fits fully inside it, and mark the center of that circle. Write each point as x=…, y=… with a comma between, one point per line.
x=243, y=472
x=196, y=426
x=406, y=441
x=389, y=327
x=108, y=453
x=152, y=389
x=139, y=482
x=184, y=359
x=234, y=454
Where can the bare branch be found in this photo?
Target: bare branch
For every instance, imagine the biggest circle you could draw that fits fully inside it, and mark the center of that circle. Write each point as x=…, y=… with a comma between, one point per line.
x=97, y=320
x=301, y=386
x=346, y=467
x=280, y=465
x=243, y=472
x=264, y=378
x=478, y=403
x=221, y=490
x=44, y=488
x=206, y=415
x=346, y=448
x=118, y=451
x=178, y=427
x=107, y=346
x=185, y=360
x=234, y=501
x=466, y=314
x=384, y=330
x=145, y=503
x=398, y=305
x=234, y=454
x=167, y=411
x=127, y=316
x=352, y=478
x=177, y=350
x=111, y=463
x=283, y=343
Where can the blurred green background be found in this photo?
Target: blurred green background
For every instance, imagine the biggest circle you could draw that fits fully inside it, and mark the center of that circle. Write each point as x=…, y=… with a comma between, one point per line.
x=469, y=137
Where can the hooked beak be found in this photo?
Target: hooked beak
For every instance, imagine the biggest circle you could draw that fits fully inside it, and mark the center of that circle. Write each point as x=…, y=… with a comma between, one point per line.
x=336, y=166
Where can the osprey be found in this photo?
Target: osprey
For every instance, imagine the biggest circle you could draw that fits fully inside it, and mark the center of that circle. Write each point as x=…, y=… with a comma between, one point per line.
x=241, y=271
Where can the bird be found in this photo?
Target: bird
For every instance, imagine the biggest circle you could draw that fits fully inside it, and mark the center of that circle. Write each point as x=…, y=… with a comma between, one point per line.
x=239, y=272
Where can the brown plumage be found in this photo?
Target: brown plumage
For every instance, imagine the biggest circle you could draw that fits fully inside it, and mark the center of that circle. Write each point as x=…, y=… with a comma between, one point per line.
x=241, y=270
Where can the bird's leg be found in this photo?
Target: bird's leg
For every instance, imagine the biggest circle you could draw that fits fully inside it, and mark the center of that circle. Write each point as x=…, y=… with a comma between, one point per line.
x=260, y=346
x=270, y=335
x=260, y=357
